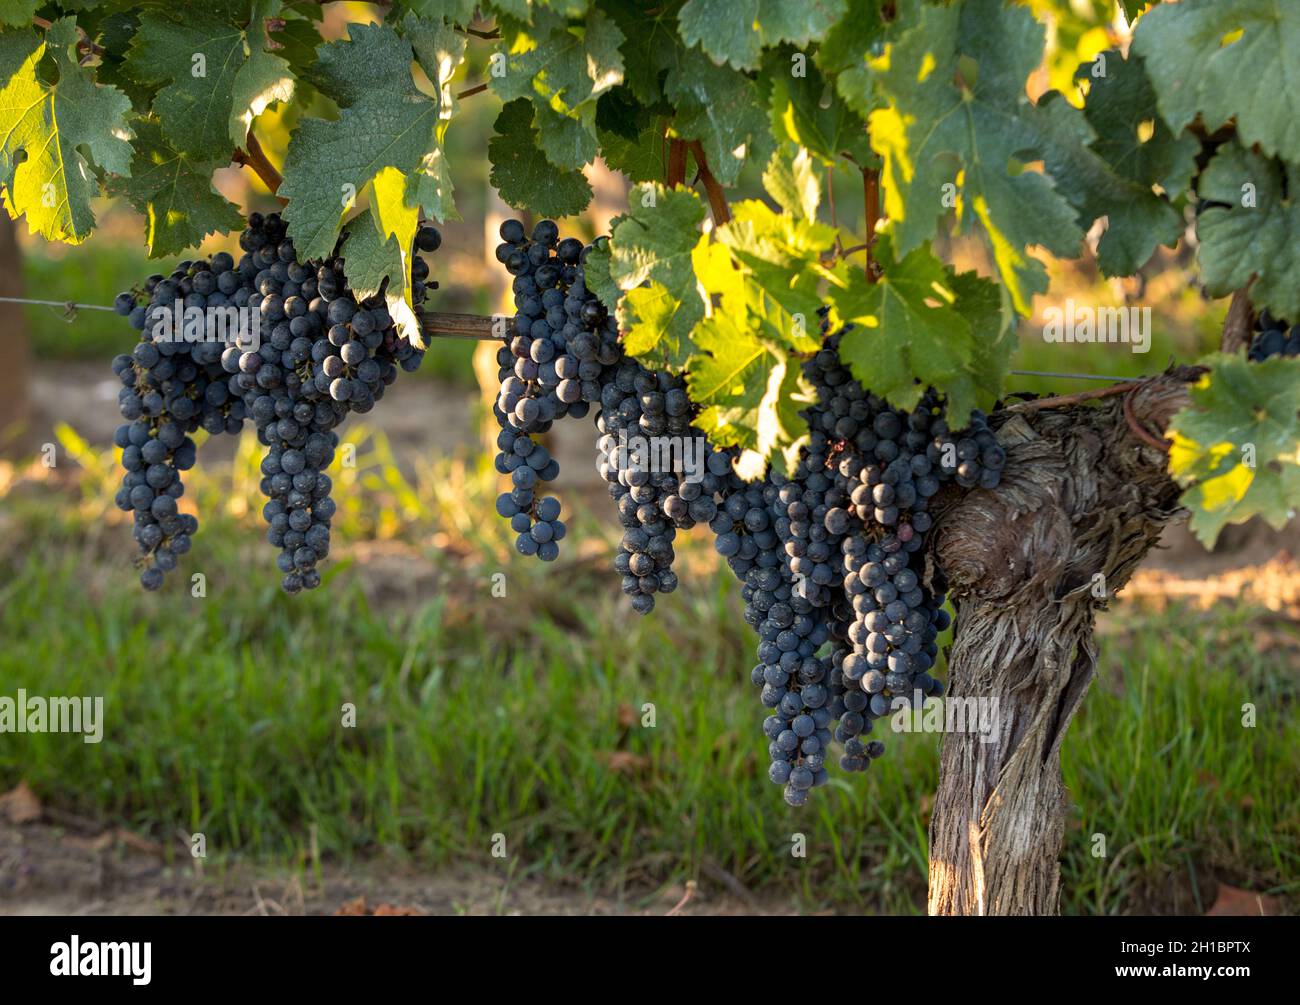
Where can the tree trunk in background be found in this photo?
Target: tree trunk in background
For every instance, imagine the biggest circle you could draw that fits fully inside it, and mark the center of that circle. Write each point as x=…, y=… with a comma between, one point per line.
x=1081, y=496
x=16, y=365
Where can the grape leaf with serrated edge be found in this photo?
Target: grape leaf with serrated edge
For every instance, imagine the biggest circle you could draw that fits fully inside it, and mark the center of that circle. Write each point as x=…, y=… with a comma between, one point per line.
x=932, y=127
x=907, y=333
x=1262, y=240
x=1239, y=403
x=520, y=172
x=45, y=129
x=1252, y=80
x=174, y=193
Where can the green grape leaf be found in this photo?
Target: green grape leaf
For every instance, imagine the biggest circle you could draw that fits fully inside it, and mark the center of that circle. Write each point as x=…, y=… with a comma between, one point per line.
x=115, y=33
x=797, y=23
x=1237, y=445
x=174, y=193
x=386, y=121
x=654, y=241
x=778, y=257
x=520, y=172
x=372, y=263
x=18, y=13
x=641, y=159
x=1227, y=61
x=725, y=29
x=805, y=112
x=1120, y=103
x=596, y=273
x=651, y=251
x=264, y=78
x=937, y=124
x=1137, y=218
x=907, y=332
x=720, y=107
x=979, y=384
x=735, y=31
x=651, y=46
x=659, y=327
x=750, y=391
x=851, y=38
x=197, y=55
x=1256, y=230
x=568, y=141
x=791, y=180
x=563, y=70
x=53, y=139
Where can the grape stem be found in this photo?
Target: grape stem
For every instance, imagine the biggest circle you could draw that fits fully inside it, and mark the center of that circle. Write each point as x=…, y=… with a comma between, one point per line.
x=1060, y=400
x=256, y=158
x=717, y=198
x=676, y=163
x=85, y=43
x=871, y=209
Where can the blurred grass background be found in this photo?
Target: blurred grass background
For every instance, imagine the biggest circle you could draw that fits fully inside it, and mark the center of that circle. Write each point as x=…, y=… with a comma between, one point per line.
x=521, y=715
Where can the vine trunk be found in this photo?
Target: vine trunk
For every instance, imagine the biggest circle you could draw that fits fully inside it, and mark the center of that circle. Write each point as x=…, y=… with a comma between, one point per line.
x=1083, y=499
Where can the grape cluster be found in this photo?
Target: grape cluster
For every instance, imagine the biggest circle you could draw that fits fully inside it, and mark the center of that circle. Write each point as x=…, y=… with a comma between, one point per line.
x=830, y=555
x=562, y=340
x=326, y=354
x=1271, y=338
x=323, y=355
x=170, y=389
x=851, y=520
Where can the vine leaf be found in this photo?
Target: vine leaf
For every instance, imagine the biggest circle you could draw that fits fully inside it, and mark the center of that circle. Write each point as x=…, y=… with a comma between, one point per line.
x=520, y=172
x=806, y=112
x=935, y=129
x=791, y=180
x=595, y=271
x=265, y=77
x=215, y=79
x=174, y=193
x=650, y=259
x=374, y=262
x=45, y=130
x=1254, y=232
x=720, y=107
x=736, y=31
x=562, y=70
x=18, y=13
x=1227, y=61
x=1237, y=445
x=386, y=122
x=907, y=332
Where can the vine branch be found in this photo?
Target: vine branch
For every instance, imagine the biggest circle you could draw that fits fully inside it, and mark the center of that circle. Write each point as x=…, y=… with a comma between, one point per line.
x=871, y=210
x=85, y=43
x=256, y=158
x=676, y=163
x=717, y=198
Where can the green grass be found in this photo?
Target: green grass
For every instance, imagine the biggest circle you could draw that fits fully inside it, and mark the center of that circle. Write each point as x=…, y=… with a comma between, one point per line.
x=479, y=715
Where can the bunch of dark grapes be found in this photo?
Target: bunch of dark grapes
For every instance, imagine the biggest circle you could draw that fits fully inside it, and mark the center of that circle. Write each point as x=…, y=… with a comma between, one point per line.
x=1272, y=338
x=322, y=355
x=851, y=520
x=171, y=389
x=325, y=354
x=561, y=342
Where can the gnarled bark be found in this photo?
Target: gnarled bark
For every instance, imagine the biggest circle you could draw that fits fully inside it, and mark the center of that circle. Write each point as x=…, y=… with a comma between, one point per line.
x=1082, y=496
